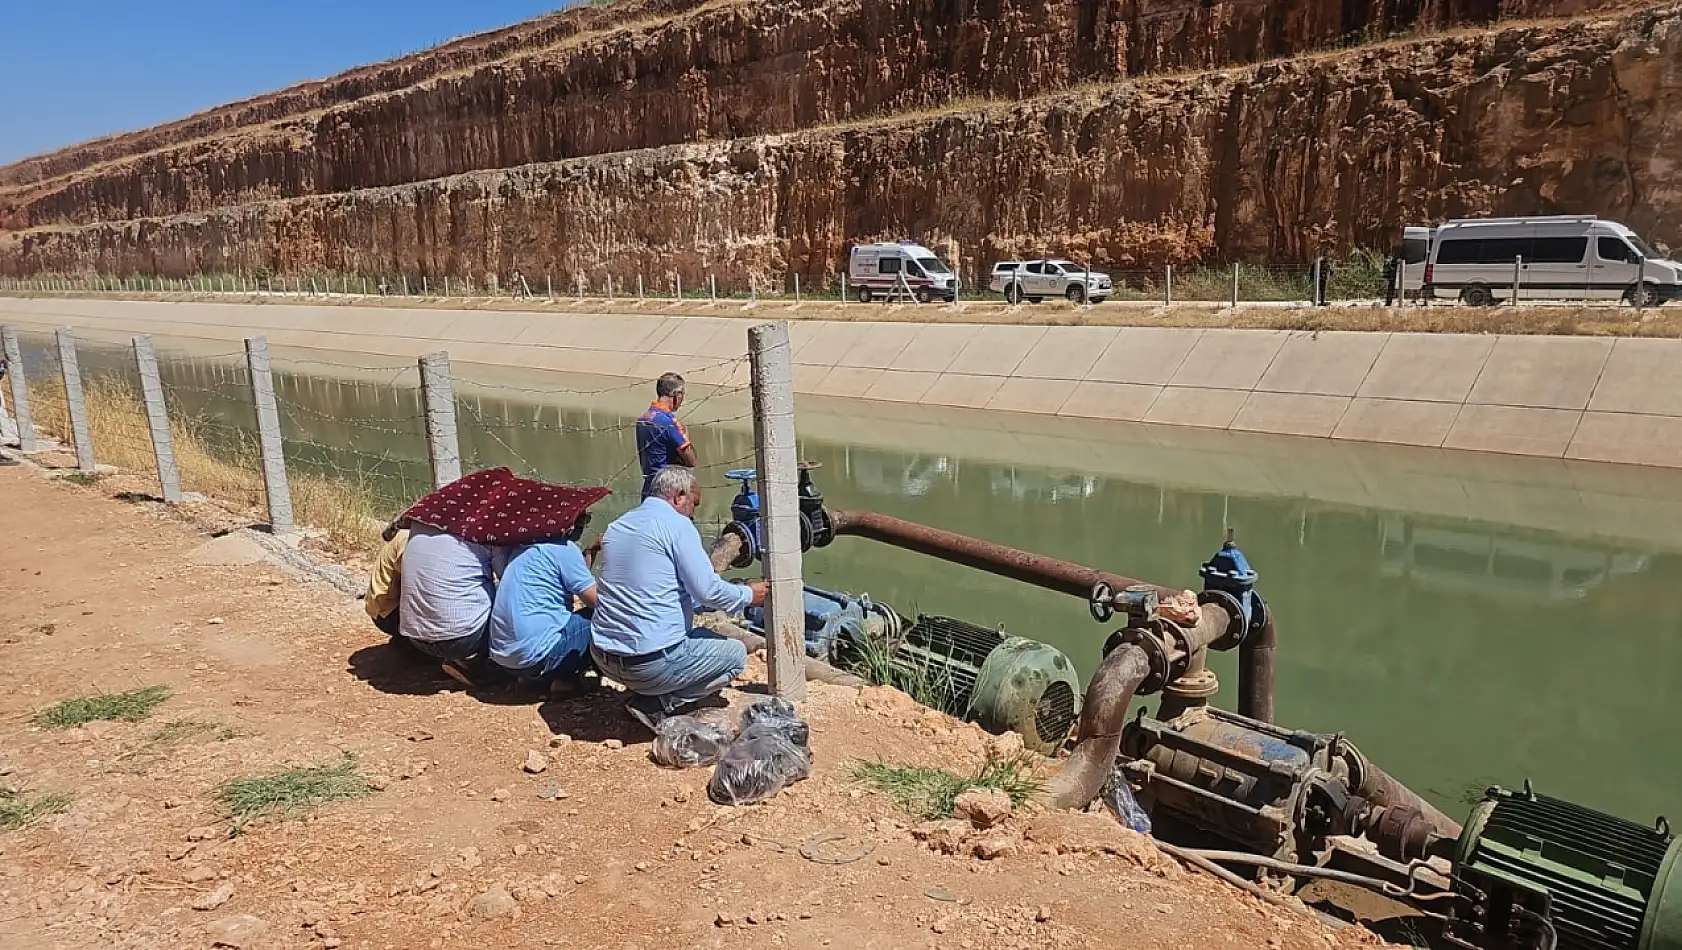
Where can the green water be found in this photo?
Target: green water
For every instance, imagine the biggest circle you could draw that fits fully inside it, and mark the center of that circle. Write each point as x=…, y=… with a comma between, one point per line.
x=1465, y=619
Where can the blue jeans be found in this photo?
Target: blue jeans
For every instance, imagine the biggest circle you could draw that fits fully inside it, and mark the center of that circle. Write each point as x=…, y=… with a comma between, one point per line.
x=692, y=669
x=570, y=656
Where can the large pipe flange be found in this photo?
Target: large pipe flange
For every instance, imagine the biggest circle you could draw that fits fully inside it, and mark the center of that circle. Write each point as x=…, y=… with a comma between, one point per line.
x=1156, y=655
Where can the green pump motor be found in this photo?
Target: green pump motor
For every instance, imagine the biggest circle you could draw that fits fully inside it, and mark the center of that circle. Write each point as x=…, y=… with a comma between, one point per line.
x=1000, y=682
x=1601, y=882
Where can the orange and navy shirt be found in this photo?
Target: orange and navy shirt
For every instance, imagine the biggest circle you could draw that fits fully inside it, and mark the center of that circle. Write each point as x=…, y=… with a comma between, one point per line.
x=660, y=436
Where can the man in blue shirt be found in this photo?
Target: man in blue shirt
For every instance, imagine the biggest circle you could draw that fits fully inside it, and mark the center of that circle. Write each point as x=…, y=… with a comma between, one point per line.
x=661, y=439
x=654, y=571
x=535, y=634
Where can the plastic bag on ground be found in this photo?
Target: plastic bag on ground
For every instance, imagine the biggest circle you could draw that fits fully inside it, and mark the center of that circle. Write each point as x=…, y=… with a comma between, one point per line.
x=684, y=742
x=778, y=715
x=757, y=766
x=1119, y=799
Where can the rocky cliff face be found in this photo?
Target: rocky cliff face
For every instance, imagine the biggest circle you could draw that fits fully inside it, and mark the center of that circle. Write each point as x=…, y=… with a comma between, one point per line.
x=1271, y=161
x=717, y=71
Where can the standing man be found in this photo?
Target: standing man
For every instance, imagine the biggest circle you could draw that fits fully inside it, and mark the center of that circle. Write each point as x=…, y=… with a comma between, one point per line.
x=654, y=572
x=661, y=439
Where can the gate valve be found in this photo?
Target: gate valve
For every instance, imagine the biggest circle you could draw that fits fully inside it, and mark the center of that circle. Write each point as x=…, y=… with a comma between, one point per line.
x=1229, y=580
x=816, y=528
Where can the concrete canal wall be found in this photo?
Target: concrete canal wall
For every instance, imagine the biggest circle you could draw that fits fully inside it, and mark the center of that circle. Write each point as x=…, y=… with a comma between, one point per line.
x=1598, y=399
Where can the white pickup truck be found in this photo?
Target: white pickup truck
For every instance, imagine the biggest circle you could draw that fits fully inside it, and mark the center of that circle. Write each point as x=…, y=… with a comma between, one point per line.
x=1036, y=280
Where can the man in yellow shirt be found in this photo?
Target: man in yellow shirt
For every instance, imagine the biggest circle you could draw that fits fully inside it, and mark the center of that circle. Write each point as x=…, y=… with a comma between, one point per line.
x=385, y=582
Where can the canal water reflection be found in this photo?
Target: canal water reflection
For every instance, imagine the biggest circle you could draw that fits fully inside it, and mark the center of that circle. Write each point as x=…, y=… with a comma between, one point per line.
x=1465, y=619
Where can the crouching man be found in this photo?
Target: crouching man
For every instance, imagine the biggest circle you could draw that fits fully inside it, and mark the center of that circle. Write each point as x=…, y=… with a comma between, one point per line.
x=654, y=571
x=446, y=594
x=536, y=634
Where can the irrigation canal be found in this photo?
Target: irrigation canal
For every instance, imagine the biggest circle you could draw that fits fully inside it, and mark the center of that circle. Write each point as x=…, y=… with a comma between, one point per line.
x=1466, y=619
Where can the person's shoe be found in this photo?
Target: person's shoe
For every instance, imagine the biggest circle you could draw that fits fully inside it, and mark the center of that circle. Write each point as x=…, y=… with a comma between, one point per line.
x=459, y=674
x=647, y=710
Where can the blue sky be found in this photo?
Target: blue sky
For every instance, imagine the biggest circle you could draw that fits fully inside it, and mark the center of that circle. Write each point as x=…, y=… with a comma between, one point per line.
x=73, y=70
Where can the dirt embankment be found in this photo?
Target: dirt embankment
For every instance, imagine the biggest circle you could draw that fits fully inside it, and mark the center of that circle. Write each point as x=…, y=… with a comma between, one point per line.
x=457, y=843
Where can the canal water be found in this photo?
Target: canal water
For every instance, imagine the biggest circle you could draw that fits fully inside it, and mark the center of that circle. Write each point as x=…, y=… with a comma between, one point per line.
x=1465, y=619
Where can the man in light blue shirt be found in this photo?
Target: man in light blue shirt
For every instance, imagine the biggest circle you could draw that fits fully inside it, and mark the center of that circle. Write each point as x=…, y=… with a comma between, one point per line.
x=654, y=572
x=535, y=634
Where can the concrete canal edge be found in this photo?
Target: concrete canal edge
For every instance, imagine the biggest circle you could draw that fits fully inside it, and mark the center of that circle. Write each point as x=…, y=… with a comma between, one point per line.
x=1589, y=398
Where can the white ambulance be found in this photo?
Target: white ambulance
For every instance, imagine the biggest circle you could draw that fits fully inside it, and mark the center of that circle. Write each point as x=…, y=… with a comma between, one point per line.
x=902, y=267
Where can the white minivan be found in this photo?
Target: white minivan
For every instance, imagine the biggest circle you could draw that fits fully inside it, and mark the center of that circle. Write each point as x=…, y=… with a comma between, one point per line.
x=888, y=269
x=1479, y=261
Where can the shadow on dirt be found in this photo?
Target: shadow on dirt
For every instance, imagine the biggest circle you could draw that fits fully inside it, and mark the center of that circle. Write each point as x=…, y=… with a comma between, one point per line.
x=594, y=717
x=399, y=671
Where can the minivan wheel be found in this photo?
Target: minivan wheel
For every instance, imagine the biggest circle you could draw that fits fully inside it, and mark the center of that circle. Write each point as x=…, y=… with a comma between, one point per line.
x=864, y=295
x=1477, y=295
x=923, y=295
x=1013, y=294
x=1076, y=294
x=1642, y=295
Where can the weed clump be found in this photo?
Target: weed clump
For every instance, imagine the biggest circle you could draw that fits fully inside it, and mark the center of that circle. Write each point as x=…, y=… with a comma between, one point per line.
x=929, y=793
x=20, y=808
x=291, y=793
x=132, y=706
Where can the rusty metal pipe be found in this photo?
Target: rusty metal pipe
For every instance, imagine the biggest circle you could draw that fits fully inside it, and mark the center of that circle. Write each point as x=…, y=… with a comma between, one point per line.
x=1098, y=738
x=724, y=551
x=1255, y=673
x=1051, y=573
x=1378, y=787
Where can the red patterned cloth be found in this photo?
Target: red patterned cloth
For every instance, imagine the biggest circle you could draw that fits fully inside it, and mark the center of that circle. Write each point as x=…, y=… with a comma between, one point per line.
x=495, y=506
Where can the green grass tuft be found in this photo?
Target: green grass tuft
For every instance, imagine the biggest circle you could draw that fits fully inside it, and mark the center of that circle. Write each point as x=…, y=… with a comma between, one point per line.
x=916, y=675
x=292, y=792
x=19, y=808
x=929, y=793
x=132, y=706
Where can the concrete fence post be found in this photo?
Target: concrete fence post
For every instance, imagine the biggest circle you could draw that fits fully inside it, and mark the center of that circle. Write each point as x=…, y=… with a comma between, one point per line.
x=797, y=288
x=1314, y=282
x=268, y=436
x=75, y=399
x=843, y=286
x=1235, y=285
x=1168, y=285
x=677, y=286
x=157, y=419
x=779, y=477
x=20, y=388
x=442, y=443
x=549, y=286
x=1518, y=278
x=639, y=288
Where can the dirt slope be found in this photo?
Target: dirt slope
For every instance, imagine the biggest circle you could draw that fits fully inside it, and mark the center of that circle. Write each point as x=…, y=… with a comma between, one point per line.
x=103, y=595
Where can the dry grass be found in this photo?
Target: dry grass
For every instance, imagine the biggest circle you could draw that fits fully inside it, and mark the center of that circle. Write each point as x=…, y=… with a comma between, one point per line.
x=214, y=460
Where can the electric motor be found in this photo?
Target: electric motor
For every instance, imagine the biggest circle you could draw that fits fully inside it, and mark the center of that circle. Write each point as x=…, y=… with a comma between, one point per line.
x=1601, y=882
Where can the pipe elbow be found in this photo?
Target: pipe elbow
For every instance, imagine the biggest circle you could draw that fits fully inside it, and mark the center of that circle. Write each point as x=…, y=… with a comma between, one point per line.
x=1098, y=738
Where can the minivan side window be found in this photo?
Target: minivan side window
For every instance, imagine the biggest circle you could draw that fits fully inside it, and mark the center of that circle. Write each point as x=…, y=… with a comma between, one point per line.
x=1459, y=252
x=888, y=265
x=1614, y=249
x=1560, y=250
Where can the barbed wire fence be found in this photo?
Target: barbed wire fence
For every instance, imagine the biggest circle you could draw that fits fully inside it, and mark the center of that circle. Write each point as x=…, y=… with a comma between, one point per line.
x=354, y=443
